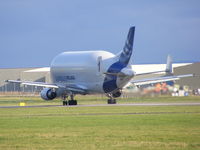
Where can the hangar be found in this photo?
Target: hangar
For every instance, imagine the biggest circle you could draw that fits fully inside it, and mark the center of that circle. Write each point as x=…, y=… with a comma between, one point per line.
x=43, y=75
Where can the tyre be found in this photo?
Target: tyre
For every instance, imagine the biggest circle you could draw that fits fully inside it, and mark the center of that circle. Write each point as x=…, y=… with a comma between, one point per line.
x=72, y=102
x=64, y=103
x=75, y=102
x=112, y=101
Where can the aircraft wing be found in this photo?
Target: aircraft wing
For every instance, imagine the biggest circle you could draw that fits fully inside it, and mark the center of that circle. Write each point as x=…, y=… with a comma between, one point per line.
x=77, y=89
x=42, y=84
x=72, y=87
x=168, y=69
x=153, y=72
x=159, y=79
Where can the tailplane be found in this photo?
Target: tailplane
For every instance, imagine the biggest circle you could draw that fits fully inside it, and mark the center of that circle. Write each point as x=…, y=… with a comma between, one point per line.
x=128, y=47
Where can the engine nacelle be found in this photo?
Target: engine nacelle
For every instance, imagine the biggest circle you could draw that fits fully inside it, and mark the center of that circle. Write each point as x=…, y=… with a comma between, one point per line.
x=117, y=94
x=48, y=94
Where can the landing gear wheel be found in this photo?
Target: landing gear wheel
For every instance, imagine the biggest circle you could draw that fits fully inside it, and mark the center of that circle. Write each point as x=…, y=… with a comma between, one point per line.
x=75, y=102
x=64, y=103
x=112, y=101
x=72, y=102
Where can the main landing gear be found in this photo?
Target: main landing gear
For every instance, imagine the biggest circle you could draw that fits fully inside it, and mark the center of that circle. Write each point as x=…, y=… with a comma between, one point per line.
x=69, y=102
x=111, y=100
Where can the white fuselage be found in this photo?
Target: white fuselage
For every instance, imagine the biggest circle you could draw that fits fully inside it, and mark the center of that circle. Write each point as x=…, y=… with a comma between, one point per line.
x=84, y=68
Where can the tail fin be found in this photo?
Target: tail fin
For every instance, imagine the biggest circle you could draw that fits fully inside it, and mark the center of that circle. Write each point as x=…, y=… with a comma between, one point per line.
x=128, y=47
x=169, y=70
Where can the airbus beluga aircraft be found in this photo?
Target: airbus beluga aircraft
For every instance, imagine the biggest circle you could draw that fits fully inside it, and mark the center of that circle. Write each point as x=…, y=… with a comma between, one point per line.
x=90, y=72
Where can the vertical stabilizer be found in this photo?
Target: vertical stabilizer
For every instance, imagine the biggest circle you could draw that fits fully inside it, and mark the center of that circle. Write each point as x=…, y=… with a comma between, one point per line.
x=128, y=47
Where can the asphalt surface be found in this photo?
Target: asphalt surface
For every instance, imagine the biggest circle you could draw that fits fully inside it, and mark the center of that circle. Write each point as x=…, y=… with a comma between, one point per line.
x=100, y=105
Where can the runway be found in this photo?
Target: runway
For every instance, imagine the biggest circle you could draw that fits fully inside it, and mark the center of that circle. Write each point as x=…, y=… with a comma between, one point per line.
x=108, y=105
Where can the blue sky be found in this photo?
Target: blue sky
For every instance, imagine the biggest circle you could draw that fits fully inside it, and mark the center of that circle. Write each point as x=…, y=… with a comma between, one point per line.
x=32, y=32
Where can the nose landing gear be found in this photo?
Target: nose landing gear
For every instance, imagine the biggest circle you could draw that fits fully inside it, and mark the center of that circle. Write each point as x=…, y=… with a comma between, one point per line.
x=111, y=100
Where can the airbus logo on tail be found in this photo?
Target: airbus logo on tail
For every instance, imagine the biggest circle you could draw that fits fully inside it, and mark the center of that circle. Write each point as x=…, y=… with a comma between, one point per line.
x=128, y=47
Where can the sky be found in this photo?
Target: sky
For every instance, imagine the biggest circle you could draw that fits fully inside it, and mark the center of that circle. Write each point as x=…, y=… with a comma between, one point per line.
x=33, y=32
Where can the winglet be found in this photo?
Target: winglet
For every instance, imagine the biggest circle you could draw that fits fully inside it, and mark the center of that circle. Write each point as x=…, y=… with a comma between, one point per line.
x=169, y=69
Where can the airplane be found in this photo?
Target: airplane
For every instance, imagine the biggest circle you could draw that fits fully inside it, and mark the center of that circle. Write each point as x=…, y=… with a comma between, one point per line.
x=91, y=72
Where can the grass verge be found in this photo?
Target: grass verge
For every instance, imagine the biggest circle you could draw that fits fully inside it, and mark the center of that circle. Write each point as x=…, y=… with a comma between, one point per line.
x=104, y=128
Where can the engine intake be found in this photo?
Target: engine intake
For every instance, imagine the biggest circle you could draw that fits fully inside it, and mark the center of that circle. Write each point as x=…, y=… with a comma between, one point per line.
x=48, y=94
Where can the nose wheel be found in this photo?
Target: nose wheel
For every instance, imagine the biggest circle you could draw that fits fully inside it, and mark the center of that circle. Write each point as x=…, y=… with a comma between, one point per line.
x=111, y=100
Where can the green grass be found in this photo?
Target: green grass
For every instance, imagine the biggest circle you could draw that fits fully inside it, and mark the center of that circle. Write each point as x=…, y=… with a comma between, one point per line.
x=92, y=99
x=104, y=128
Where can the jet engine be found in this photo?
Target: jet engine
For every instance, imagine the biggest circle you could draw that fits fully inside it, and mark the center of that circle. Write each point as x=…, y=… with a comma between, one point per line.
x=48, y=94
x=117, y=94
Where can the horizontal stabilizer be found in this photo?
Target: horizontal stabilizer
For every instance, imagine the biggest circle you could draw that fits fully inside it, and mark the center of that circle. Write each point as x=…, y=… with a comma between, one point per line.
x=125, y=72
